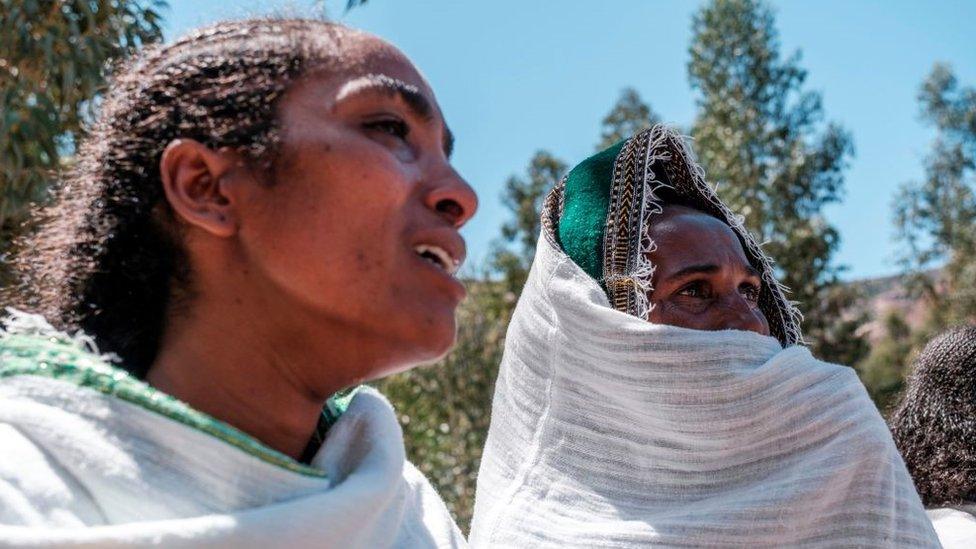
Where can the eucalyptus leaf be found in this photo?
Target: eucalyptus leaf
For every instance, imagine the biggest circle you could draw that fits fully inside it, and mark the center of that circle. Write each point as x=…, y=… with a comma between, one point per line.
x=53, y=53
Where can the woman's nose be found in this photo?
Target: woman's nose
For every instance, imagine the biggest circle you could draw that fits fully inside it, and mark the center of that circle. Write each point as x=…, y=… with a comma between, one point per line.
x=452, y=198
x=740, y=314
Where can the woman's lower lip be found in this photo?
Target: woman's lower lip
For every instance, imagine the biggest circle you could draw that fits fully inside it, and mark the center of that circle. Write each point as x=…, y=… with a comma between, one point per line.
x=458, y=288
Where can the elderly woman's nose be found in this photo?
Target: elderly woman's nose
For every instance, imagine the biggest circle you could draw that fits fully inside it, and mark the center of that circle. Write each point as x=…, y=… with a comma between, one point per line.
x=738, y=313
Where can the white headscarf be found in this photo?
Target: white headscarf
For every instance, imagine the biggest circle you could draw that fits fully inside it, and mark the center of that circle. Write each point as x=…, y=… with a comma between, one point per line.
x=609, y=431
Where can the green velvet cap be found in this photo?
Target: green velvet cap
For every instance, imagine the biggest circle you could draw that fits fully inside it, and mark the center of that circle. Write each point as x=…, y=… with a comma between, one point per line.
x=584, y=218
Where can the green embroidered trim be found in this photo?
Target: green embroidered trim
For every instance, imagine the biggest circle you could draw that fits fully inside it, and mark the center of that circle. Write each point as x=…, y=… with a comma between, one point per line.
x=60, y=359
x=338, y=404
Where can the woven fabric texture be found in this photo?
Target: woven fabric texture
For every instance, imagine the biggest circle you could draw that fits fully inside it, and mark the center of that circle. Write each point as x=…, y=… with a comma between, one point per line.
x=609, y=431
x=608, y=201
x=84, y=463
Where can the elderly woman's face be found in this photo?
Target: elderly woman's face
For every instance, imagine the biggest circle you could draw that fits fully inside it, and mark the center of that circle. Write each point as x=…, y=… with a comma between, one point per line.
x=702, y=279
x=360, y=228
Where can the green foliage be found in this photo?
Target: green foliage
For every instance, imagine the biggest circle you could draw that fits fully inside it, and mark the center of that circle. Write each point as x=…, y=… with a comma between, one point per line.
x=629, y=115
x=936, y=223
x=762, y=140
x=523, y=197
x=839, y=340
x=52, y=60
x=445, y=408
x=883, y=371
x=936, y=217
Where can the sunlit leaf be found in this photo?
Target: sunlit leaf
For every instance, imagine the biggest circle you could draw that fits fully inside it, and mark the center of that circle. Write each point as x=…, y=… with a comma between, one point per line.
x=53, y=54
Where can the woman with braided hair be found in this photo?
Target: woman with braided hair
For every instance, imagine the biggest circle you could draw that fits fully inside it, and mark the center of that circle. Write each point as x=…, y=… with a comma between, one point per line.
x=263, y=216
x=934, y=426
x=655, y=391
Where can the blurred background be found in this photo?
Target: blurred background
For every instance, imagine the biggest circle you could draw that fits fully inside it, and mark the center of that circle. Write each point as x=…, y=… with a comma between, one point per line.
x=844, y=132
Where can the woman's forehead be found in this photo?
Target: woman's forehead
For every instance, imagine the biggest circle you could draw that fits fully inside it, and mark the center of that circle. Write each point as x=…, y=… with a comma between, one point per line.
x=682, y=220
x=385, y=72
x=365, y=55
x=685, y=235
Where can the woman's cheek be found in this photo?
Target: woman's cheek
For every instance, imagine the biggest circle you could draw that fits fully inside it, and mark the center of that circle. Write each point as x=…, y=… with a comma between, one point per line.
x=671, y=313
x=688, y=305
x=759, y=314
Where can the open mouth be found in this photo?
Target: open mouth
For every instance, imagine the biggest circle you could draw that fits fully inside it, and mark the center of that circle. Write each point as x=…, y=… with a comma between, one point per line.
x=438, y=256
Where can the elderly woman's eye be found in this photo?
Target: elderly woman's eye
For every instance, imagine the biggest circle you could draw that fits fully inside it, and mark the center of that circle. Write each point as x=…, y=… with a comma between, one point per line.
x=695, y=289
x=391, y=126
x=750, y=291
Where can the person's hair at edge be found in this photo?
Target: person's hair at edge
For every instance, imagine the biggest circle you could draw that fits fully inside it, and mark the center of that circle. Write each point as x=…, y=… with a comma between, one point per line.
x=934, y=424
x=106, y=258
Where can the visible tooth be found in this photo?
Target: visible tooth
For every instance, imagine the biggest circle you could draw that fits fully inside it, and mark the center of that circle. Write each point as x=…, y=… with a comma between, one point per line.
x=445, y=260
x=450, y=265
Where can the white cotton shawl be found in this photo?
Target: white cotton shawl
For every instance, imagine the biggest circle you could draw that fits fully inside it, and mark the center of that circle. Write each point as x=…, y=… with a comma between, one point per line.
x=81, y=468
x=956, y=526
x=609, y=431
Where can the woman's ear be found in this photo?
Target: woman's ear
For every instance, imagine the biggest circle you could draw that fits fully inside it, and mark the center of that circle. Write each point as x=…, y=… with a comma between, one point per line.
x=192, y=174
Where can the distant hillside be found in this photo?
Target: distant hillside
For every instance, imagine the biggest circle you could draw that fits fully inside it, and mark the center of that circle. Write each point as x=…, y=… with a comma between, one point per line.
x=881, y=296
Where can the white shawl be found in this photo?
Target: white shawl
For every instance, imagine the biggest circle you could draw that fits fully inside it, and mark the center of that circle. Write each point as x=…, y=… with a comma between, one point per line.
x=956, y=526
x=609, y=431
x=83, y=468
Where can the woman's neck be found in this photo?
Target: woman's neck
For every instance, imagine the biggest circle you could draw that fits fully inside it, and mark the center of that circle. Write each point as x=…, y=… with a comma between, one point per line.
x=249, y=371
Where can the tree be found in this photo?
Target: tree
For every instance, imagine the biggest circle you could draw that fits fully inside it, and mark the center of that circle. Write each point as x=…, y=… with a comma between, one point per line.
x=629, y=115
x=523, y=197
x=761, y=138
x=840, y=339
x=445, y=408
x=52, y=60
x=883, y=371
x=936, y=217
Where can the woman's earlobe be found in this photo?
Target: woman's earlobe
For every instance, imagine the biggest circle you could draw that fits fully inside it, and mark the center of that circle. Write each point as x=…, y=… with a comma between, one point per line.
x=192, y=174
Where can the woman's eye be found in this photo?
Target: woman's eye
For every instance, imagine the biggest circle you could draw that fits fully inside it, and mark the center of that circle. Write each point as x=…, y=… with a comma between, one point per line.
x=392, y=126
x=695, y=289
x=750, y=292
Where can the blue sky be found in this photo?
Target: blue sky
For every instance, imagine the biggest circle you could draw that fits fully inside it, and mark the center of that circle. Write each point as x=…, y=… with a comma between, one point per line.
x=513, y=77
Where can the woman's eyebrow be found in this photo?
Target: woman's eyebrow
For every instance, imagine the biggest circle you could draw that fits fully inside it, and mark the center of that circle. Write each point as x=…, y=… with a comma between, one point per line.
x=703, y=268
x=394, y=87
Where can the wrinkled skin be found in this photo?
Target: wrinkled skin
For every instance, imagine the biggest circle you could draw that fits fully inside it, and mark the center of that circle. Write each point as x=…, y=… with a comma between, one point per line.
x=702, y=280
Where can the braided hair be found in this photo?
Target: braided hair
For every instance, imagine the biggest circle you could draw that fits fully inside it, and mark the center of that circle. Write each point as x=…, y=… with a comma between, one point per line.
x=106, y=257
x=934, y=424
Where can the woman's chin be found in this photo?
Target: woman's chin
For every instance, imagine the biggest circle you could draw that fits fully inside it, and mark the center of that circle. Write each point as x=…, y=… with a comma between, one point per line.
x=422, y=357
x=440, y=342
x=434, y=343
x=408, y=341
